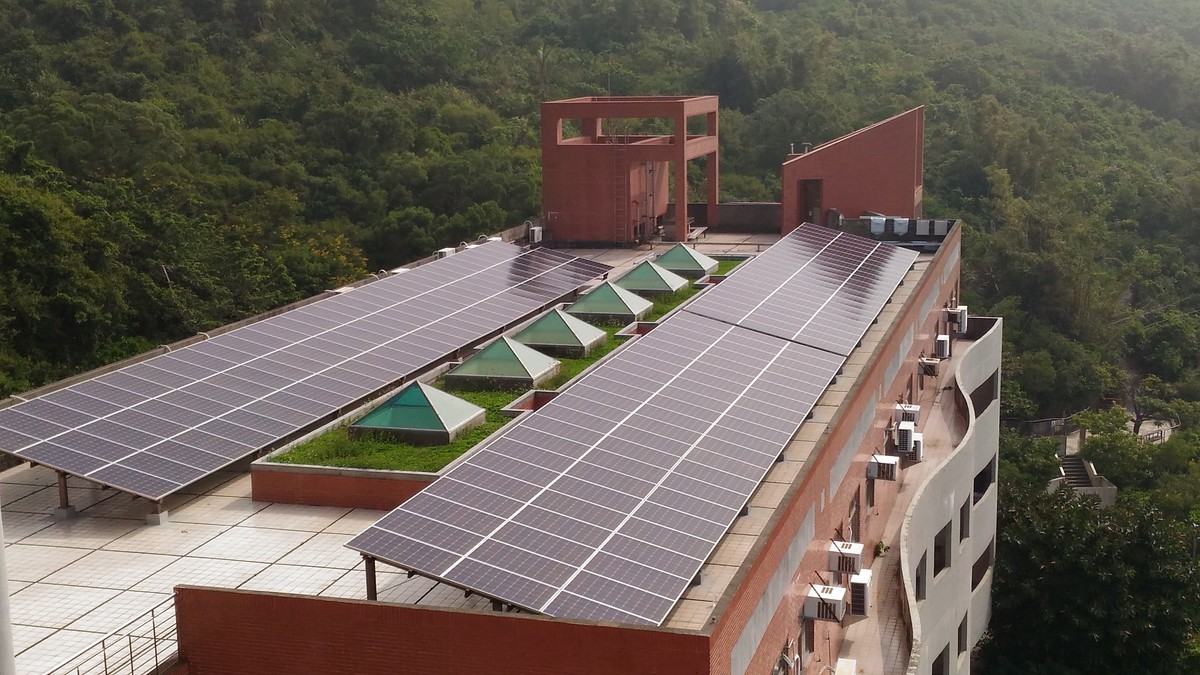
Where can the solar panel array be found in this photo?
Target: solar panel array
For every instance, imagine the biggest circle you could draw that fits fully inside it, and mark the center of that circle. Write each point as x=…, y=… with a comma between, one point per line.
x=816, y=286
x=156, y=426
x=605, y=503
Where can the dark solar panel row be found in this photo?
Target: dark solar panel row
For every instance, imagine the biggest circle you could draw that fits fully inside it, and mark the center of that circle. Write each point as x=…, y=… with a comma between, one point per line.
x=605, y=503
x=156, y=426
x=817, y=286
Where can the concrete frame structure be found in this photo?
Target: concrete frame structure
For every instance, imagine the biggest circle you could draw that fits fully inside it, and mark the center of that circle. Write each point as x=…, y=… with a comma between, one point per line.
x=875, y=169
x=611, y=188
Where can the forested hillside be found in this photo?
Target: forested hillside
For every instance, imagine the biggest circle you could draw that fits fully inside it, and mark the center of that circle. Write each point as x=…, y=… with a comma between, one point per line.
x=171, y=165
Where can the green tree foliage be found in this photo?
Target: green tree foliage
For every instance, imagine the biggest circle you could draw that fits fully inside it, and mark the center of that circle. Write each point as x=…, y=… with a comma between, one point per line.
x=1079, y=589
x=167, y=166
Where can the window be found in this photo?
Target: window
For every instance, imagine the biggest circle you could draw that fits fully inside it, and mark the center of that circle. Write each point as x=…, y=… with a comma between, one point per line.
x=808, y=639
x=870, y=493
x=962, y=636
x=985, y=394
x=919, y=580
x=964, y=520
x=982, y=565
x=855, y=520
x=941, y=549
x=941, y=663
x=984, y=479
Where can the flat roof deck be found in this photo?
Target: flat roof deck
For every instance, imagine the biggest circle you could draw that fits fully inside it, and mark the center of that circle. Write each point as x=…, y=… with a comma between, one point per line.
x=74, y=581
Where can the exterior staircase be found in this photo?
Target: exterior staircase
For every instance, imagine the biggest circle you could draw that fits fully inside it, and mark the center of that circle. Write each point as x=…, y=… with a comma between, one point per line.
x=1075, y=472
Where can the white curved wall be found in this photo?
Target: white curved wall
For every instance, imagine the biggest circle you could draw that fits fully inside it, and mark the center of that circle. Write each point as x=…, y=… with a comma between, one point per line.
x=949, y=595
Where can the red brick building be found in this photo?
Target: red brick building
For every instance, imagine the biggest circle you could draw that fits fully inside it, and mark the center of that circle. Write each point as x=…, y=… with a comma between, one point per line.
x=786, y=590
x=876, y=169
x=611, y=185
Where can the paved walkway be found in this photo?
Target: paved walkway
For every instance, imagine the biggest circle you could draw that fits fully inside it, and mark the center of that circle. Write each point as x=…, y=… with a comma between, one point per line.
x=72, y=582
x=881, y=641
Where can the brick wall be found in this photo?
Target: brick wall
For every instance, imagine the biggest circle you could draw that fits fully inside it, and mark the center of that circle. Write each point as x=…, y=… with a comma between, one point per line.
x=224, y=632
x=331, y=489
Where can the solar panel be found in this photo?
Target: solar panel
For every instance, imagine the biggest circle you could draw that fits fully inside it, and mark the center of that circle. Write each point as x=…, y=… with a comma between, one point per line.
x=614, y=494
x=156, y=426
x=605, y=503
x=817, y=286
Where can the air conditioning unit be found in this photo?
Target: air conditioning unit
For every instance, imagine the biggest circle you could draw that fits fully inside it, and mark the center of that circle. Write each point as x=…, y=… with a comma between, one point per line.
x=917, y=452
x=535, y=235
x=470, y=246
x=845, y=557
x=931, y=367
x=495, y=238
x=860, y=593
x=883, y=467
x=399, y=270
x=444, y=253
x=905, y=412
x=904, y=436
x=942, y=347
x=958, y=317
x=825, y=603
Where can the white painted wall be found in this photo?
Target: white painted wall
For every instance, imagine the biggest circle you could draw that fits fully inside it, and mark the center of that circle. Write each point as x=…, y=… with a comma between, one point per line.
x=949, y=596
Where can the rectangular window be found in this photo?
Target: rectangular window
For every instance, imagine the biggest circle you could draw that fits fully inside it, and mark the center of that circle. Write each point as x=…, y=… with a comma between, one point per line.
x=964, y=520
x=941, y=549
x=808, y=639
x=984, y=479
x=980, y=569
x=870, y=493
x=919, y=578
x=941, y=664
x=962, y=636
x=855, y=520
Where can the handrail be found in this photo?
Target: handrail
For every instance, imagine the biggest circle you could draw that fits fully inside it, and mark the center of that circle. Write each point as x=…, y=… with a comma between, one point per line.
x=146, y=644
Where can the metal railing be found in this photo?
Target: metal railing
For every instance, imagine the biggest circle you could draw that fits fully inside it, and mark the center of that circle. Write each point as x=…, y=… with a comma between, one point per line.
x=145, y=645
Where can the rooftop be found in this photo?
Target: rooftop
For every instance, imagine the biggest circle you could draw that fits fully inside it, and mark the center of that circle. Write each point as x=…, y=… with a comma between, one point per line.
x=72, y=582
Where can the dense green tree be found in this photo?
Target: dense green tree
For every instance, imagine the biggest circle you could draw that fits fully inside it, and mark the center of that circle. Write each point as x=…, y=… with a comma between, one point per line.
x=1079, y=589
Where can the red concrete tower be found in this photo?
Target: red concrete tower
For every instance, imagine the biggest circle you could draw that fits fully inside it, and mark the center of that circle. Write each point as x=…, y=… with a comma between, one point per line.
x=608, y=187
x=877, y=168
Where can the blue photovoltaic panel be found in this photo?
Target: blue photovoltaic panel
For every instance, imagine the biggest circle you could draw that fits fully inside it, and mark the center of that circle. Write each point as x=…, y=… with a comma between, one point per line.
x=612, y=496
x=605, y=503
x=817, y=286
x=156, y=426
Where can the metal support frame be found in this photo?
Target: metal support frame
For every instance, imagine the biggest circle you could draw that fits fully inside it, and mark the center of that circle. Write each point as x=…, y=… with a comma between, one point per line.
x=372, y=589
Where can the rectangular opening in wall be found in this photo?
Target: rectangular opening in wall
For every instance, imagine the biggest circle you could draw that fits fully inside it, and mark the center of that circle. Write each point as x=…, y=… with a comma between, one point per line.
x=964, y=520
x=984, y=480
x=870, y=493
x=962, y=636
x=941, y=549
x=941, y=665
x=980, y=569
x=919, y=578
x=985, y=393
